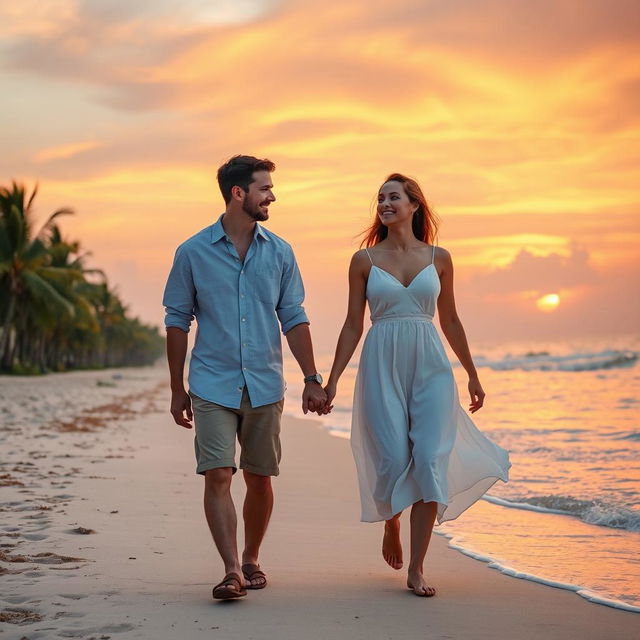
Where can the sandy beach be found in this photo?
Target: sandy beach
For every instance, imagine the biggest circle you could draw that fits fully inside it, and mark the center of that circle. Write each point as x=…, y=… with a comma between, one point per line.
x=103, y=536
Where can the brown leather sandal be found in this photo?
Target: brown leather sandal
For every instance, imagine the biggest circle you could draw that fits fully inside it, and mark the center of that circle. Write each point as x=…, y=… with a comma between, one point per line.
x=254, y=572
x=230, y=587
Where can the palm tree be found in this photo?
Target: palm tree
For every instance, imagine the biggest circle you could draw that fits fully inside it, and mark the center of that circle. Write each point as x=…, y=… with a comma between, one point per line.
x=73, y=338
x=51, y=316
x=26, y=276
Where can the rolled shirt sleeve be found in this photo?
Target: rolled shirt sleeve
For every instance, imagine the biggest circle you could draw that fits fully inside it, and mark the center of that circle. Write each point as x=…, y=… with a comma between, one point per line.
x=179, y=293
x=290, y=310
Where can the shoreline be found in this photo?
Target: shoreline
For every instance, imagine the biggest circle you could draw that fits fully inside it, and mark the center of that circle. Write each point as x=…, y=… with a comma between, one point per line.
x=129, y=553
x=492, y=563
x=456, y=542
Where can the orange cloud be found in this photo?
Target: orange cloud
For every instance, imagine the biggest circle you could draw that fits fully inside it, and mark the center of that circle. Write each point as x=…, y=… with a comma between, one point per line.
x=65, y=151
x=518, y=120
x=540, y=274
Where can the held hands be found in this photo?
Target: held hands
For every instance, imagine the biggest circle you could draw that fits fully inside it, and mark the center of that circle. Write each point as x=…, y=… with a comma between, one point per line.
x=181, y=404
x=314, y=398
x=330, y=390
x=476, y=393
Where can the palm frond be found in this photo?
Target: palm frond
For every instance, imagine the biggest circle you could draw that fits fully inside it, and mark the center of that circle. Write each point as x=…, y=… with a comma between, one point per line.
x=35, y=254
x=60, y=212
x=44, y=294
x=33, y=195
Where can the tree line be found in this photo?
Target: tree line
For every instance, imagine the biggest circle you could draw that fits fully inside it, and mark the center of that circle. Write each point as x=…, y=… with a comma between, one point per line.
x=57, y=314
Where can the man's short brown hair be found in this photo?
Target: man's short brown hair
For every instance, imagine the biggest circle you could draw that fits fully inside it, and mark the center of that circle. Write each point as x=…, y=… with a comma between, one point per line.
x=238, y=172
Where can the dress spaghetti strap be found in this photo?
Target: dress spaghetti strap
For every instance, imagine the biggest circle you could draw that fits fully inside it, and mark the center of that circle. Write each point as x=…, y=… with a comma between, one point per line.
x=433, y=255
x=369, y=255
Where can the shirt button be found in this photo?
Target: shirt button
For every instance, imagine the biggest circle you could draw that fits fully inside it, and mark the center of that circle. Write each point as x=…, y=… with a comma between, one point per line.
x=243, y=320
x=242, y=295
x=244, y=344
x=239, y=388
x=244, y=368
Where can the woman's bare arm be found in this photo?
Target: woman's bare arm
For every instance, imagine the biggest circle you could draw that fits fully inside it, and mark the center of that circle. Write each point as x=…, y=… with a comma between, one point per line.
x=352, y=328
x=453, y=330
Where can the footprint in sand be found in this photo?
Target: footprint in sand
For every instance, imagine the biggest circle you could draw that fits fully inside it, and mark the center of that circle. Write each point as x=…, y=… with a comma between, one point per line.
x=94, y=631
x=117, y=628
x=68, y=614
x=35, y=536
x=16, y=599
x=36, y=516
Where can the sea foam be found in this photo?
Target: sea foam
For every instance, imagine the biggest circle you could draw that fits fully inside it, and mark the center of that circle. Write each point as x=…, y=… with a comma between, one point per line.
x=589, y=511
x=545, y=361
x=457, y=543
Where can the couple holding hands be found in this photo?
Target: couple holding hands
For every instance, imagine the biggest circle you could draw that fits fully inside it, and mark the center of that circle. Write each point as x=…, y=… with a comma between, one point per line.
x=413, y=444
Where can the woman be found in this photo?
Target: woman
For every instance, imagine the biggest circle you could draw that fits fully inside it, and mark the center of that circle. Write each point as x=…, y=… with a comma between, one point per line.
x=413, y=444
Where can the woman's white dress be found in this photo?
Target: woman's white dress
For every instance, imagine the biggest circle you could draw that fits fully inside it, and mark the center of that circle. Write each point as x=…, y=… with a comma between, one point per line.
x=410, y=437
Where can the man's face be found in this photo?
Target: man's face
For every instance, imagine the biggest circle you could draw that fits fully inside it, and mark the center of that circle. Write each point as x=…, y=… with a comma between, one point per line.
x=260, y=195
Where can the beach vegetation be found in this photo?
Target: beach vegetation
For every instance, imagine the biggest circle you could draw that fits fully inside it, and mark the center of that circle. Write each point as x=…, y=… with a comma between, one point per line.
x=56, y=313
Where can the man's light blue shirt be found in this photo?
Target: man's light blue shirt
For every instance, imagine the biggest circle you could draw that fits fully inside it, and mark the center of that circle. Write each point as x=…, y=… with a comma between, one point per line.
x=240, y=309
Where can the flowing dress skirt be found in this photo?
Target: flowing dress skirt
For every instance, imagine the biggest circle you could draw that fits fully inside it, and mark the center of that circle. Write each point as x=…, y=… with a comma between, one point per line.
x=410, y=437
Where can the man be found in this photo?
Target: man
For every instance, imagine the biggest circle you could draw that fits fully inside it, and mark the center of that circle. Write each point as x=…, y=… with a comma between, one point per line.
x=239, y=281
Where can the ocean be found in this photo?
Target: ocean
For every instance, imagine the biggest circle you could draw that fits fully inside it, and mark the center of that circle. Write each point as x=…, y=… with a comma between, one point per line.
x=569, y=415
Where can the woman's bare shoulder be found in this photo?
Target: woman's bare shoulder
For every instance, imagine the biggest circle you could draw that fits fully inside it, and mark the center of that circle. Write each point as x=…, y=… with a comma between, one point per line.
x=442, y=260
x=360, y=264
x=361, y=257
x=442, y=253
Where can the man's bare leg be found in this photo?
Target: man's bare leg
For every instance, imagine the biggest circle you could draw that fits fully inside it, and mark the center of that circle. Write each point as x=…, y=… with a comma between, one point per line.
x=258, y=505
x=391, y=545
x=221, y=516
x=423, y=515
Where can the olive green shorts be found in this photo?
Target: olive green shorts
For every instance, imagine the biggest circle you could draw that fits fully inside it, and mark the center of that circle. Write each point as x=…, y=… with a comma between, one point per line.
x=257, y=430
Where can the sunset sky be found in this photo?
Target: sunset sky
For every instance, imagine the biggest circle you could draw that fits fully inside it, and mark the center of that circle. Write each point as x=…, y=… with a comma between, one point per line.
x=521, y=121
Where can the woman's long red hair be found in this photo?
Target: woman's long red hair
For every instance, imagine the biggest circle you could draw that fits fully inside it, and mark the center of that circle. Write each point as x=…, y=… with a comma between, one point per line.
x=424, y=223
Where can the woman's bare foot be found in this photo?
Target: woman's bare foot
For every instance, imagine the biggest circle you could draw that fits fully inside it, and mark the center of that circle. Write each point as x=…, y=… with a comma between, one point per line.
x=415, y=582
x=391, y=545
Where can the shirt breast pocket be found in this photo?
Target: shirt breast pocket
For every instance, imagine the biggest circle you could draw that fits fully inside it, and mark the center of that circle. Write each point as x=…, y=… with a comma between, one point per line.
x=266, y=284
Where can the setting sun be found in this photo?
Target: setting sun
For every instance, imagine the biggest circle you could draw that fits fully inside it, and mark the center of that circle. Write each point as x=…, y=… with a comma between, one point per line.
x=548, y=302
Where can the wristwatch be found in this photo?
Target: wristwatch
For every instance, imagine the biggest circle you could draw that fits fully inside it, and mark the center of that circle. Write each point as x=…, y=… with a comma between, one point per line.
x=316, y=377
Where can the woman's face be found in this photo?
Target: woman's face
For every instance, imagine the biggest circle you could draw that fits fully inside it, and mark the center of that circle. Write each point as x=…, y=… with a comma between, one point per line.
x=394, y=205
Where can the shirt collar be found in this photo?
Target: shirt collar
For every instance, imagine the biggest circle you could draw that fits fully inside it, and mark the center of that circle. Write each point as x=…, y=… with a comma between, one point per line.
x=217, y=231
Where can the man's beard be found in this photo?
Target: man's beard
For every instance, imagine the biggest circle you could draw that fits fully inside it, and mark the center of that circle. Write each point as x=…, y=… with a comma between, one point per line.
x=255, y=213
